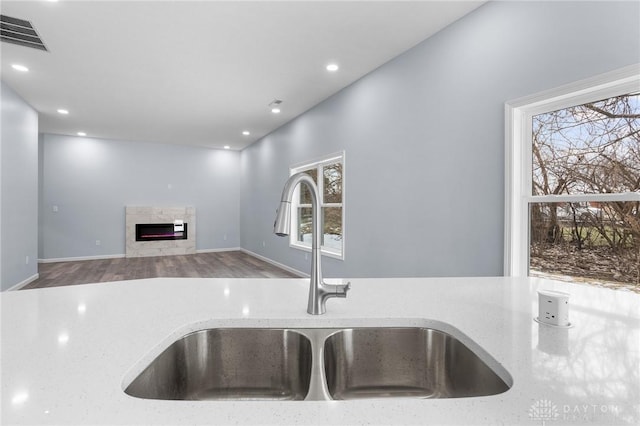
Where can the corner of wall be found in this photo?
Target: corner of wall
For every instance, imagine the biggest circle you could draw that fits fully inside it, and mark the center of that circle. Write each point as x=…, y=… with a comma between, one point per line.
x=18, y=190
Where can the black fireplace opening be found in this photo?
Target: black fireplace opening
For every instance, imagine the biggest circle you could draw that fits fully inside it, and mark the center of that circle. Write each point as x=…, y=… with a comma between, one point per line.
x=160, y=231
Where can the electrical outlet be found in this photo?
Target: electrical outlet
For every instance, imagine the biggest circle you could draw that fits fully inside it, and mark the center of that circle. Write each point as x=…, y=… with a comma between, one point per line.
x=225, y=237
x=264, y=244
x=306, y=256
x=26, y=260
x=55, y=209
x=98, y=242
x=553, y=307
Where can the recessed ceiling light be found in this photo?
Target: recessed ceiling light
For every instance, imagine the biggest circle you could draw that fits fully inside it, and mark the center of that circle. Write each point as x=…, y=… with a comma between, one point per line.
x=246, y=133
x=332, y=67
x=63, y=111
x=82, y=134
x=19, y=67
x=274, y=105
x=227, y=147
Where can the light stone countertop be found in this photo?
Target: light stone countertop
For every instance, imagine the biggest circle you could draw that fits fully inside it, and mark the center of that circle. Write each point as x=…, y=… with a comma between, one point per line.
x=68, y=352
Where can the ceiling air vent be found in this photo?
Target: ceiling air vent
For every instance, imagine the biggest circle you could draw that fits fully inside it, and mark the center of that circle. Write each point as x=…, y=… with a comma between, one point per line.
x=19, y=31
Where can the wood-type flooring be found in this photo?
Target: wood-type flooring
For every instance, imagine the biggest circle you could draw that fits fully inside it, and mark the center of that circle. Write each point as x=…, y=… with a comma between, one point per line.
x=227, y=264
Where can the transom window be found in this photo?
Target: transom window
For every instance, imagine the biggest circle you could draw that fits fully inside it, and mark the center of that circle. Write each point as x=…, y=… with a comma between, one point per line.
x=331, y=189
x=573, y=182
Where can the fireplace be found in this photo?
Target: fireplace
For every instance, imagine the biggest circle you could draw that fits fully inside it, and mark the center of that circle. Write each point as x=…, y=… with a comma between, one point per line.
x=161, y=231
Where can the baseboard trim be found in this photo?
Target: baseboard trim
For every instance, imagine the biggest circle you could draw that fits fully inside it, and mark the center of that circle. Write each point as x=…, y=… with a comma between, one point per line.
x=76, y=259
x=116, y=256
x=274, y=263
x=24, y=283
x=218, y=250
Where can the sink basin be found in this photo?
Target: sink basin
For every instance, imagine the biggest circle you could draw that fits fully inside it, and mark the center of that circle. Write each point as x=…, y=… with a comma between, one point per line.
x=404, y=362
x=318, y=364
x=234, y=363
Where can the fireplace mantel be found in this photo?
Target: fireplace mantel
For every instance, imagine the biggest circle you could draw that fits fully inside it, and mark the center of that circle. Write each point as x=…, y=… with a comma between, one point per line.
x=150, y=214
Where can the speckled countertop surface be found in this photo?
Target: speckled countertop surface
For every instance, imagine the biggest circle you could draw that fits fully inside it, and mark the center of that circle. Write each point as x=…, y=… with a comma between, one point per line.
x=68, y=352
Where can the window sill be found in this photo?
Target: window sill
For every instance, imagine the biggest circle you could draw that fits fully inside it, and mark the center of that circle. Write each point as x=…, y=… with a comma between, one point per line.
x=325, y=252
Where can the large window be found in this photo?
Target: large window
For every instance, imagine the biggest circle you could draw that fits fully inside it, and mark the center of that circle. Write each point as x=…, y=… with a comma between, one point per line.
x=573, y=182
x=330, y=169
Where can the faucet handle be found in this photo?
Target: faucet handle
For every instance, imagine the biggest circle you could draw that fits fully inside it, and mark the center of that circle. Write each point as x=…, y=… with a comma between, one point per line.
x=342, y=289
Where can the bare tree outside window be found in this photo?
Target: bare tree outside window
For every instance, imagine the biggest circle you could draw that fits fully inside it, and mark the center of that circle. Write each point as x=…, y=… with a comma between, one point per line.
x=592, y=148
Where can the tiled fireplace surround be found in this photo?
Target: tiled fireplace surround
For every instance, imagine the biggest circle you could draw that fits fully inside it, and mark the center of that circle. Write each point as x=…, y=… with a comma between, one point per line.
x=148, y=214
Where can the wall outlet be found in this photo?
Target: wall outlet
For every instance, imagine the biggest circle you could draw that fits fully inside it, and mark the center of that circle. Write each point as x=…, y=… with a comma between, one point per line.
x=225, y=237
x=55, y=209
x=306, y=256
x=98, y=242
x=264, y=244
x=26, y=260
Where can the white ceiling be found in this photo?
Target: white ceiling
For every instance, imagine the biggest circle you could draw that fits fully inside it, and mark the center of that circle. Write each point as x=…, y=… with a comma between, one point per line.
x=201, y=72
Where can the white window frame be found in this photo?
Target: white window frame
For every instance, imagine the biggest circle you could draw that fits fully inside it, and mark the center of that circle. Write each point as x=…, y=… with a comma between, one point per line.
x=318, y=164
x=519, y=114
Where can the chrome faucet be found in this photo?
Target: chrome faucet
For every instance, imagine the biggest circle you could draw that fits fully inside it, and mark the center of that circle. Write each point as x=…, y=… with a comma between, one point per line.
x=319, y=291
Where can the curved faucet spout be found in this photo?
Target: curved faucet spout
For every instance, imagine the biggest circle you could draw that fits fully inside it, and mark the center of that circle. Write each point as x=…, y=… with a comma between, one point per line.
x=319, y=292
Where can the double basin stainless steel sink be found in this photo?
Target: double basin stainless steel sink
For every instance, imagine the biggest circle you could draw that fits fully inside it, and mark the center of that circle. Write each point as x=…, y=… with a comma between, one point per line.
x=318, y=364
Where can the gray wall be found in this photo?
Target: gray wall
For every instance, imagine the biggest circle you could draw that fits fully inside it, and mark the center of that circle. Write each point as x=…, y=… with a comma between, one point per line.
x=424, y=138
x=19, y=190
x=92, y=180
